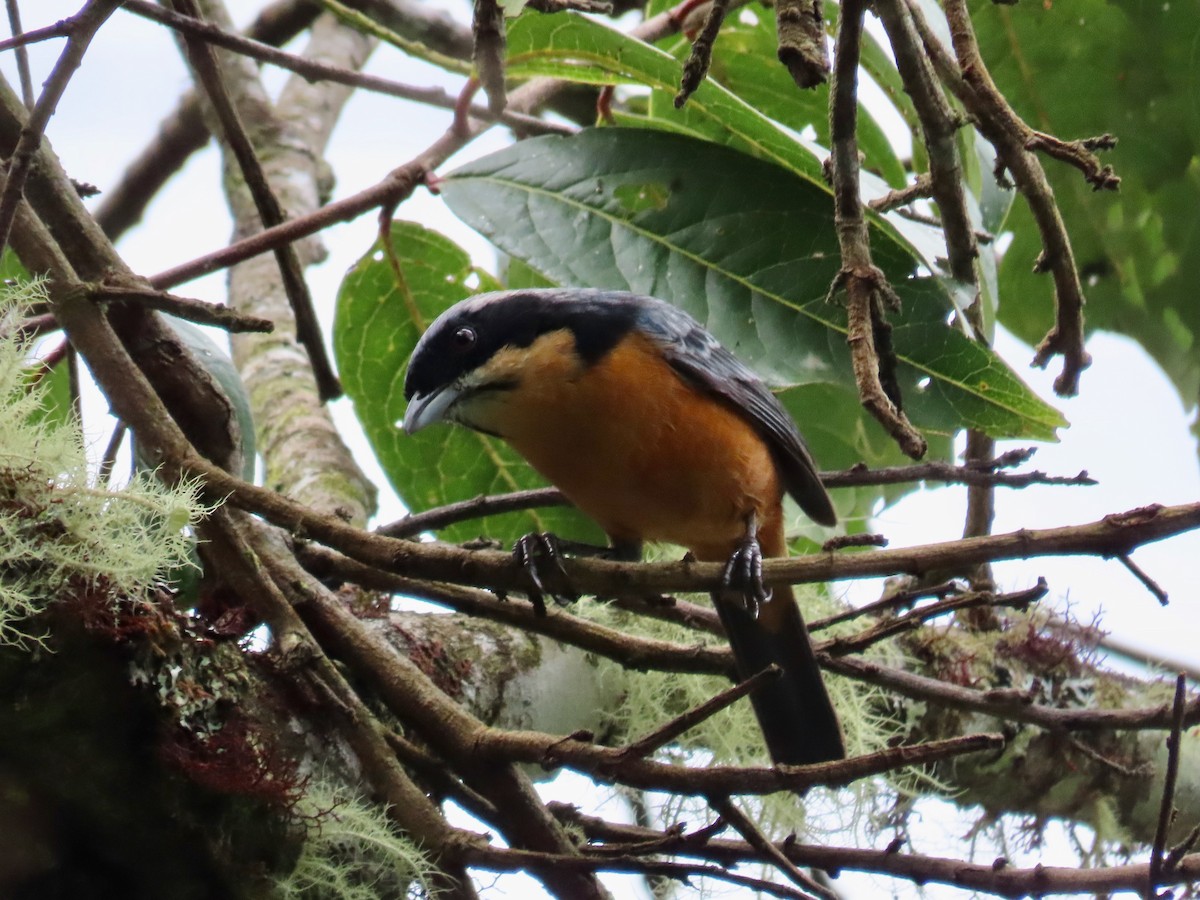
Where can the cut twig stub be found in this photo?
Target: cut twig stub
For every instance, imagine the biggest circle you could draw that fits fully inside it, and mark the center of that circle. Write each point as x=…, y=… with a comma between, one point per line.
x=698, y=61
x=488, y=28
x=802, y=49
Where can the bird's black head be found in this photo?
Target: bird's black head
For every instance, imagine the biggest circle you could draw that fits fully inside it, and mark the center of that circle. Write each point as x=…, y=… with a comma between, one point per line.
x=451, y=360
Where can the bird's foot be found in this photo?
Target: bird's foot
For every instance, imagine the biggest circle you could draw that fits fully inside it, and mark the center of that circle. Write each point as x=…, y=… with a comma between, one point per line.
x=533, y=551
x=744, y=570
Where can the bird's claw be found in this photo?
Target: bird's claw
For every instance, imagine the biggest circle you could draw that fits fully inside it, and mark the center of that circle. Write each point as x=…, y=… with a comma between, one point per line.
x=530, y=552
x=744, y=573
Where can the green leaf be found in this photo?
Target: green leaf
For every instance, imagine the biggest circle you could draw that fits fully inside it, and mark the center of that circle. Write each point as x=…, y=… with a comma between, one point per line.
x=746, y=247
x=1139, y=249
x=570, y=46
x=745, y=62
x=840, y=435
x=218, y=364
x=376, y=326
x=54, y=392
x=567, y=45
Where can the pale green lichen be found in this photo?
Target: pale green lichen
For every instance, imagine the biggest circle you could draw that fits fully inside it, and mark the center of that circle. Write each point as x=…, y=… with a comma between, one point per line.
x=732, y=736
x=62, y=533
x=352, y=852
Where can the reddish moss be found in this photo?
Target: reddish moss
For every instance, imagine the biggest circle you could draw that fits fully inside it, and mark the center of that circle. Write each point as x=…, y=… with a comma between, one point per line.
x=236, y=760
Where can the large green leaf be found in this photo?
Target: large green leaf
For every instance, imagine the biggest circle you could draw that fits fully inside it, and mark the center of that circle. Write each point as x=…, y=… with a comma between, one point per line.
x=377, y=324
x=746, y=247
x=570, y=46
x=1139, y=249
x=567, y=45
x=745, y=62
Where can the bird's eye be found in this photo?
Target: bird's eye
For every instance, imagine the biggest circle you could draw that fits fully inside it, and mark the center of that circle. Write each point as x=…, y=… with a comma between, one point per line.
x=463, y=339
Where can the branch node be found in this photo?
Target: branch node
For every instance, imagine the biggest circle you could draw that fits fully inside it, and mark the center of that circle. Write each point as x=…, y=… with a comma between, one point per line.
x=801, y=27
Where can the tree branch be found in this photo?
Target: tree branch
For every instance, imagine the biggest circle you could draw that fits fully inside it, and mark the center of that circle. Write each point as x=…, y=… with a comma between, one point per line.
x=865, y=285
x=83, y=27
x=270, y=211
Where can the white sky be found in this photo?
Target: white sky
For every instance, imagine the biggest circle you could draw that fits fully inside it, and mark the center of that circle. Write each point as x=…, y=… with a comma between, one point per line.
x=1128, y=430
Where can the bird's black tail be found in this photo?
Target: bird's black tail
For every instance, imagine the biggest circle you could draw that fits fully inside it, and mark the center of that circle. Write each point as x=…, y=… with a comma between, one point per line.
x=794, y=711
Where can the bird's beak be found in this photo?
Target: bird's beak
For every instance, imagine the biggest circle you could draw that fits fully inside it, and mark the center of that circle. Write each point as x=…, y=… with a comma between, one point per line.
x=425, y=409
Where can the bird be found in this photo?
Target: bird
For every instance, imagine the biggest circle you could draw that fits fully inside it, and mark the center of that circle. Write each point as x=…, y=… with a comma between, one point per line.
x=658, y=433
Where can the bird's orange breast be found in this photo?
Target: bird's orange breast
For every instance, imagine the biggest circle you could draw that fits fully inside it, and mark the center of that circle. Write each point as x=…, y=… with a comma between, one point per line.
x=637, y=448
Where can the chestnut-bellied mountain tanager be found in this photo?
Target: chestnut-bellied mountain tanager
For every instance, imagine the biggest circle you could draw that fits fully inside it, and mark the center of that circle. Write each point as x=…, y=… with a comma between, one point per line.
x=657, y=432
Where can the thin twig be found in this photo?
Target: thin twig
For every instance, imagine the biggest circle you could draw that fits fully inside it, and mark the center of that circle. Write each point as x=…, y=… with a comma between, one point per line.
x=61, y=28
x=315, y=70
x=664, y=734
x=504, y=859
x=308, y=329
x=475, y=508
x=1166, y=810
x=84, y=26
x=399, y=182
x=50, y=360
x=856, y=476
x=442, y=777
x=1140, y=574
x=1079, y=154
x=214, y=314
x=23, y=73
x=109, y=460
x=750, y=832
x=856, y=643
x=970, y=81
x=183, y=131
x=397, y=185
x=34, y=326
x=920, y=187
x=988, y=878
x=865, y=285
x=939, y=126
x=981, y=237
x=888, y=603
x=1010, y=705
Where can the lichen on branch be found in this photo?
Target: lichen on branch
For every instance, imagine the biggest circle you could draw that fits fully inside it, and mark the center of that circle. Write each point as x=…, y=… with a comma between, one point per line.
x=60, y=531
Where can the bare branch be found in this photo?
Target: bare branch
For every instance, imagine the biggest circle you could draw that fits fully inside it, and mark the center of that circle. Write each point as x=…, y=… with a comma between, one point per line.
x=308, y=330
x=196, y=311
x=866, y=286
x=14, y=26
x=1166, y=811
x=83, y=27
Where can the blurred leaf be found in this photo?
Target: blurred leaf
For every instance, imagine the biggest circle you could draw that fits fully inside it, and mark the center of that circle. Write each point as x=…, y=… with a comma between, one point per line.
x=518, y=274
x=1139, y=249
x=747, y=248
x=377, y=324
x=11, y=266
x=218, y=364
x=54, y=391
